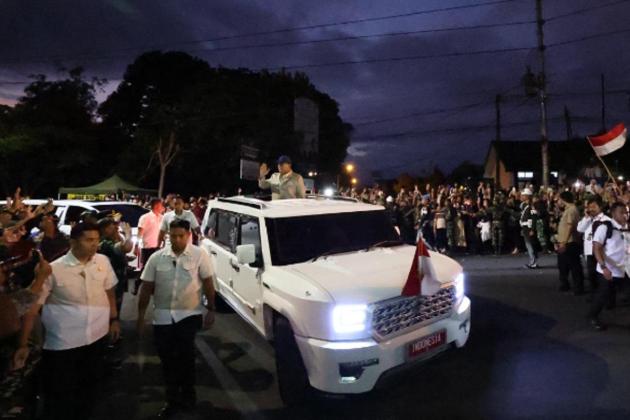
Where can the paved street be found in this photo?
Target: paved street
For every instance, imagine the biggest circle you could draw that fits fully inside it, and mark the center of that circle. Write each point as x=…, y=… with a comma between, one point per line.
x=530, y=355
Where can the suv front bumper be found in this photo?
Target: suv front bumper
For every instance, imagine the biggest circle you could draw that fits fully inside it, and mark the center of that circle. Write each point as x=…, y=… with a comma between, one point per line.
x=352, y=367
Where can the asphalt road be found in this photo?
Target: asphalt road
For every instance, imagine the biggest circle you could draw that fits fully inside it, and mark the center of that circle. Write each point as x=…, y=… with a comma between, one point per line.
x=531, y=354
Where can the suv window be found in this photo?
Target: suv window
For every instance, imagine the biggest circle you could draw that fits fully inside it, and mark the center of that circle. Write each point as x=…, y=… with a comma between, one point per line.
x=299, y=239
x=250, y=234
x=73, y=214
x=226, y=229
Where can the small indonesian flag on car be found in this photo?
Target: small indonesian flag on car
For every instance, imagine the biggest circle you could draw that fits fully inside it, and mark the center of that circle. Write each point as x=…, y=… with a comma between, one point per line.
x=607, y=143
x=421, y=279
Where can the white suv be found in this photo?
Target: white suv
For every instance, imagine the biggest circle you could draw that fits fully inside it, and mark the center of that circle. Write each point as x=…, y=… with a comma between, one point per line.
x=321, y=279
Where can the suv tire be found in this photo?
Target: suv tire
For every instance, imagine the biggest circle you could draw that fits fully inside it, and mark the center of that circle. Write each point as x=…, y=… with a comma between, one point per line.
x=292, y=377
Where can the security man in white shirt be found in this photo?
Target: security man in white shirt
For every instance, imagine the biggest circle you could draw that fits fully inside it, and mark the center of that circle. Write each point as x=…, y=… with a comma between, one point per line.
x=594, y=215
x=610, y=252
x=178, y=213
x=79, y=311
x=177, y=276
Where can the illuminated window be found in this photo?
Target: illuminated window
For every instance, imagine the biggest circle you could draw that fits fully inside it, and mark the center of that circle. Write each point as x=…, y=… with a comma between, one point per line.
x=554, y=174
x=525, y=175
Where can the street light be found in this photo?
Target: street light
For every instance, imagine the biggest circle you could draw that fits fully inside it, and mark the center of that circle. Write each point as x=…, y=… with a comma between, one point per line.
x=348, y=168
x=354, y=181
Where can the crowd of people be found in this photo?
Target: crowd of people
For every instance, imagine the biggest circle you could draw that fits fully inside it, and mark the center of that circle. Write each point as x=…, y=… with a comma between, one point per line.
x=42, y=270
x=61, y=296
x=458, y=219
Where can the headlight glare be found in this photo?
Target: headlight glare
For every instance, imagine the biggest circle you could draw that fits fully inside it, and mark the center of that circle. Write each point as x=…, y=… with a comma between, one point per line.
x=349, y=318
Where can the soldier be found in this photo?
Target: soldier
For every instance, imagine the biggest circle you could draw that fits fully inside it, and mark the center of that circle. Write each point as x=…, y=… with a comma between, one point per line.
x=283, y=184
x=540, y=211
x=498, y=212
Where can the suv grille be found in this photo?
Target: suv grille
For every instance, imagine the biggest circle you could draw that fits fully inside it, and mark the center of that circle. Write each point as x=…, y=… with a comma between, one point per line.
x=398, y=315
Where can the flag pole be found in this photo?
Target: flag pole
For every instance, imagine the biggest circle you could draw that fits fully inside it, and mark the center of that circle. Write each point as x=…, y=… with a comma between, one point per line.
x=610, y=175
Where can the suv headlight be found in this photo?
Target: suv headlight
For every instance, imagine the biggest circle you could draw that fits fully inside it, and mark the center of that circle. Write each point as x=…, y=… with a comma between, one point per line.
x=349, y=318
x=460, y=287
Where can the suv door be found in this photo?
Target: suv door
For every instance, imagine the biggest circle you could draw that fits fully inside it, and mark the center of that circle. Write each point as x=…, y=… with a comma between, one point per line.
x=247, y=283
x=221, y=247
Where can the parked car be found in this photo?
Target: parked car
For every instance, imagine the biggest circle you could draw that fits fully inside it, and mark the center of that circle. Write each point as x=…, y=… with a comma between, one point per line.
x=321, y=279
x=69, y=213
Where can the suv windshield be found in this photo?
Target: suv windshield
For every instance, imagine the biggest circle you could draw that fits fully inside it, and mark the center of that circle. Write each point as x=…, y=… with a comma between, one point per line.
x=130, y=212
x=298, y=239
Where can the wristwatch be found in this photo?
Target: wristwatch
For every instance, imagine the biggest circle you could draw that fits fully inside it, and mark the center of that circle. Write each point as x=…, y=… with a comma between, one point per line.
x=603, y=266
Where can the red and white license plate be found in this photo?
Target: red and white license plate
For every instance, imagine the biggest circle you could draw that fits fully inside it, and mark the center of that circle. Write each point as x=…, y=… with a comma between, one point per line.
x=426, y=344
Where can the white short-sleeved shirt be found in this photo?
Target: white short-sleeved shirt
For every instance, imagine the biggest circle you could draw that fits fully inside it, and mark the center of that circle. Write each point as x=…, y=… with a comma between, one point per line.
x=76, y=308
x=186, y=215
x=614, y=249
x=151, y=224
x=585, y=226
x=178, y=286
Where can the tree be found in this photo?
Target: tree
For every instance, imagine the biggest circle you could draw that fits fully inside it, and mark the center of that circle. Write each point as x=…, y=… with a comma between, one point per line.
x=49, y=138
x=212, y=113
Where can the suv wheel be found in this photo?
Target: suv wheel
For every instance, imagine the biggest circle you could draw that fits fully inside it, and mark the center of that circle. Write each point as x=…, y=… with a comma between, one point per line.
x=292, y=377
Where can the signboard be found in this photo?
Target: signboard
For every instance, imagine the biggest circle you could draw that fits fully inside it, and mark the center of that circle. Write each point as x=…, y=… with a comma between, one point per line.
x=249, y=170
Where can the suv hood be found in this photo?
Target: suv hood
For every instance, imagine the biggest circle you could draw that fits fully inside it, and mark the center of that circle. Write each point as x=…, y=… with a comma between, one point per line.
x=367, y=277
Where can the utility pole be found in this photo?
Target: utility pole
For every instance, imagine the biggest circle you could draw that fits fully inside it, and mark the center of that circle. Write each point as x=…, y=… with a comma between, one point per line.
x=542, y=94
x=567, y=121
x=603, y=104
x=497, y=174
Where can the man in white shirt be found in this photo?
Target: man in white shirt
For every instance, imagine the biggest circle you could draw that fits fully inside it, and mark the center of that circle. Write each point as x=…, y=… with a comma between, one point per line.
x=177, y=276
x=79, y=310
x=178, y=213
x=594, y=215
x=610, y=252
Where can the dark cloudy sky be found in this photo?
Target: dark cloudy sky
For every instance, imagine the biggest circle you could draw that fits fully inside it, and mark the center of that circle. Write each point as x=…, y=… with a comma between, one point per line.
x=450, y=99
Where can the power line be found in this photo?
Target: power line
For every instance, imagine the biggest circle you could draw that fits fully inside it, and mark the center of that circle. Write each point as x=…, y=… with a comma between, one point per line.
x=404, y=58
x=92, y=57
x=306, y=27
x=589, y=37
x=457, y=109
x=405, y=135
x=318, y=41
x=586, y=10
x=419, y=114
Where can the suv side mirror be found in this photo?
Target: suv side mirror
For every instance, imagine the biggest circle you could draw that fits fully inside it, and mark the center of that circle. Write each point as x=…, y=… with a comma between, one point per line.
x=246, y=254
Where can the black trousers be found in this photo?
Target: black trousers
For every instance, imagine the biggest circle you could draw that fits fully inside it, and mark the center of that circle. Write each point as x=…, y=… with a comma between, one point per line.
x=175, y=344
x=591, y=271
x=71, y=378
x=569, y=262
x=603, y=294
x=145, y=254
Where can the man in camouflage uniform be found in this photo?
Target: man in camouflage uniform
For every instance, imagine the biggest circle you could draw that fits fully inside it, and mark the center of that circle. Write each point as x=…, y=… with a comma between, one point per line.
x=498, y=212
x=540, y=210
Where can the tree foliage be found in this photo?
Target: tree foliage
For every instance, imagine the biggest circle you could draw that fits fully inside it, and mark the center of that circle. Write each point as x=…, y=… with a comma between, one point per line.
x=57, y=134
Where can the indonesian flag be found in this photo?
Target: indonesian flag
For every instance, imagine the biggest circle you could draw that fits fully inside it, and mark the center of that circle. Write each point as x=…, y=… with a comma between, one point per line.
x=607, y=143
x=421, y=279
